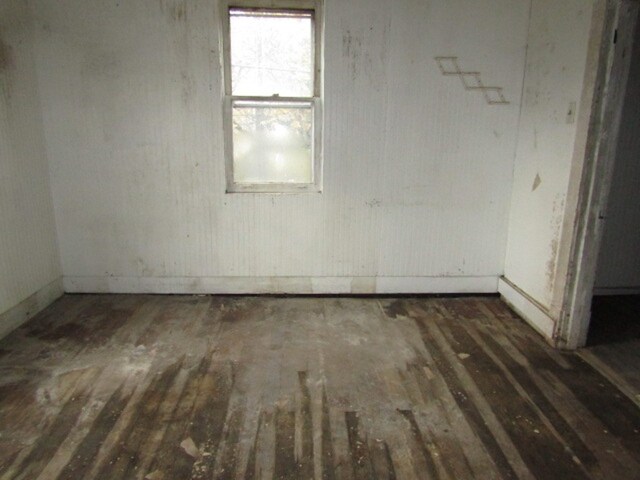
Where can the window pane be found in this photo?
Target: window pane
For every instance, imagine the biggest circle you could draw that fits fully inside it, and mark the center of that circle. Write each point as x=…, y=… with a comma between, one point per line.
x=271, y=53
x=272, y=142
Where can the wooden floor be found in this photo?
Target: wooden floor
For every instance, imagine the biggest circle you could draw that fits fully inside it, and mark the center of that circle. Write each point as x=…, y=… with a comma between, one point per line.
x=620, y=362
x=184, y=387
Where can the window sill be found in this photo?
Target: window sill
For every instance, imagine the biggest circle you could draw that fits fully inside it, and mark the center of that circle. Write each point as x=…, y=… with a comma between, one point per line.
x=274, y=188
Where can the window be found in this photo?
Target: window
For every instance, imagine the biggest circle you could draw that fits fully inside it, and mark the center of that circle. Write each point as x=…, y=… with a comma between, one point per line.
x=272, y=105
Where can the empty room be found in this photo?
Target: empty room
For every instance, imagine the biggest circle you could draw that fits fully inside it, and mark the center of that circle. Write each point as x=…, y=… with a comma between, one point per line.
x=319, y=239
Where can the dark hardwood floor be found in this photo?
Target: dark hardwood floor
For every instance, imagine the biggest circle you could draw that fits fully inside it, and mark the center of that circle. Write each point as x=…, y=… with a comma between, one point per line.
x=194, y=387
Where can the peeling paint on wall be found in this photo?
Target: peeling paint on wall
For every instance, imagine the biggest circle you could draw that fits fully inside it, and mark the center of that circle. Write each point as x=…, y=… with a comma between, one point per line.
x=557, y=216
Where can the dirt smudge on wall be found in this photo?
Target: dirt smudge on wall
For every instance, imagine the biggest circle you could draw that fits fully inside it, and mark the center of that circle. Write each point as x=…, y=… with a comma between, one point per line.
x=177, y=11
x=7, y=65
x=352, y=49
x=536, y=182
x=366, y=52
x=6, y=56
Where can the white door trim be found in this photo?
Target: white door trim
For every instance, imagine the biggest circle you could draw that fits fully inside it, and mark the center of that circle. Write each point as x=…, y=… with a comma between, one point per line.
x=592, y=179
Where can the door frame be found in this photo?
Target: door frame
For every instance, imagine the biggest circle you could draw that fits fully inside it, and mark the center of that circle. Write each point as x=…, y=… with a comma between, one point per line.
x=591, y=176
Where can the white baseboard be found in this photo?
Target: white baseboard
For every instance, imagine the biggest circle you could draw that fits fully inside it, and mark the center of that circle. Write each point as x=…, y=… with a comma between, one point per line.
x=291, y=285
x=616, y=291
x=28, y=308
x=533, y=313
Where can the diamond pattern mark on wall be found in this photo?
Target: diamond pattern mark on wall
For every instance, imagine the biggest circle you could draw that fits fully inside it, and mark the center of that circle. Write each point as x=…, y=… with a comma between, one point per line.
x=471, y=81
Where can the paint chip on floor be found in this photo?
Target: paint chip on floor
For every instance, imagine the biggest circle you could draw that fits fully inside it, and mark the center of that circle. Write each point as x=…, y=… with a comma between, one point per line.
x=190, y=448
x=155, y=475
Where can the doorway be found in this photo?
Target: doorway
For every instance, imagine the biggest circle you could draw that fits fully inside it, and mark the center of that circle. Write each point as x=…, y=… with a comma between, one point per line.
x=615, y=311
x=605, y=231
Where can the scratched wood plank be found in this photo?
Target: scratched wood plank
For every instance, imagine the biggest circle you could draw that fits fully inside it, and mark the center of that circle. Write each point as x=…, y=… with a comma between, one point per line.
x=171, y=387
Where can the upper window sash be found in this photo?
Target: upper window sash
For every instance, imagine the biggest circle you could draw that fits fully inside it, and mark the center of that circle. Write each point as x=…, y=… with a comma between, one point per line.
x=311, y=7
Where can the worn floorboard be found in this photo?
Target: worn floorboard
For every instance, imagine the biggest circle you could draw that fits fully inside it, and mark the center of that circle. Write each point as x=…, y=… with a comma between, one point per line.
x=199, y=387
x=620, y=363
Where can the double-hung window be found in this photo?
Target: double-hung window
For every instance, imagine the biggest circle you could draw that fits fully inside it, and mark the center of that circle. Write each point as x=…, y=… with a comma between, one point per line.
x=272, y=90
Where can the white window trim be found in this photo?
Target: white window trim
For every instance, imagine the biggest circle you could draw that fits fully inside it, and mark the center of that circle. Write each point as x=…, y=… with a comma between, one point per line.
x=314, y=6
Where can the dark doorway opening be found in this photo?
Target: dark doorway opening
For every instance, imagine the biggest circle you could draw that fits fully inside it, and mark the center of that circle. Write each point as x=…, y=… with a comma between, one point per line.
x=614, y=319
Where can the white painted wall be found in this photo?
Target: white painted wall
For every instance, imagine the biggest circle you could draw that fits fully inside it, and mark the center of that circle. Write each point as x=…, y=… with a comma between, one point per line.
x=619, y=259
x=558, y=42
x=417, y=172
x=29, y=265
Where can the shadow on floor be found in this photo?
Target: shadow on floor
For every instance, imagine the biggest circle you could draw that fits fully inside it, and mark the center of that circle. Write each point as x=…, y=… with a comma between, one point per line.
x=614, y=319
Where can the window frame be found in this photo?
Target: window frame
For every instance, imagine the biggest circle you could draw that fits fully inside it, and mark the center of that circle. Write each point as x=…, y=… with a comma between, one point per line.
x=314, y=7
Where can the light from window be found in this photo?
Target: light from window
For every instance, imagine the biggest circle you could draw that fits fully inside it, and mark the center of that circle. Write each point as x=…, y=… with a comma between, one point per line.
x=271, y=53
x=272, y=142
x=273, y=110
